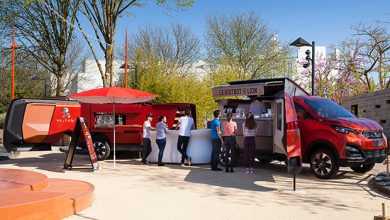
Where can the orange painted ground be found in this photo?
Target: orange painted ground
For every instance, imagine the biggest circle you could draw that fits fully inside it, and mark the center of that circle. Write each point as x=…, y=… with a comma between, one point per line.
x=31, y=195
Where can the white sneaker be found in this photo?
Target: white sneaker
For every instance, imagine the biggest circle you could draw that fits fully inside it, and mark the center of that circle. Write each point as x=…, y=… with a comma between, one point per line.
x=247, y=171
x=252, y=170
x=182, y=164
x=189, y=161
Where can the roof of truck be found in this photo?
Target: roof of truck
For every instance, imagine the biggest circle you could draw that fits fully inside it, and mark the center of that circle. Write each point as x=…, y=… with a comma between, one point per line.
x=260, y=81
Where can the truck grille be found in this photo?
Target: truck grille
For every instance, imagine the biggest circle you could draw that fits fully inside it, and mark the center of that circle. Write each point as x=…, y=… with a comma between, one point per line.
x=375, y=153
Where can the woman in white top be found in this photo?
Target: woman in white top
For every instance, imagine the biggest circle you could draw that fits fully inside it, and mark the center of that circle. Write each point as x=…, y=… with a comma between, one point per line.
x=161, y=137
x=249, y=128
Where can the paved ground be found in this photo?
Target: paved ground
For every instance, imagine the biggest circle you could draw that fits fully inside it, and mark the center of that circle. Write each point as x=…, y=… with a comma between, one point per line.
x=134, y=191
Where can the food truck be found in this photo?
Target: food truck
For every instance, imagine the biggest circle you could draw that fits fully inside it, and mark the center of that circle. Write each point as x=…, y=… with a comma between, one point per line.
x=39, y=123
x=278, y=134
x=296, y=127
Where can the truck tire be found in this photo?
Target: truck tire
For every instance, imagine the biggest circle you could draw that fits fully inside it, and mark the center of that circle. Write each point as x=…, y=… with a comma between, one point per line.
x=102, y=147
x=364, y=168
x=323, y=164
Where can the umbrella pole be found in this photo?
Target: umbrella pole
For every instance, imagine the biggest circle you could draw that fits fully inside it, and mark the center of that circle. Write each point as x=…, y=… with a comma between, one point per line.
x=113, y=103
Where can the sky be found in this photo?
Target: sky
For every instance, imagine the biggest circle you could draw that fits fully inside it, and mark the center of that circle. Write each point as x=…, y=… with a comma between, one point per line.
x=325, y=22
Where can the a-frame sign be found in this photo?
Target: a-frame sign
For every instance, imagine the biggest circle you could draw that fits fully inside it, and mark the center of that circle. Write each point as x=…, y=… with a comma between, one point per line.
x=81, y=128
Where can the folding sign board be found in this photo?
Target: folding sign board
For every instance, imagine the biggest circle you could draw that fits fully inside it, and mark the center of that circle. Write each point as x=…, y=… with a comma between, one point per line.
x=81, y=128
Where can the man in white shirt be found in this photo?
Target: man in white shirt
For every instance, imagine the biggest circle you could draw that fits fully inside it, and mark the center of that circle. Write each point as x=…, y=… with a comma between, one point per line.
x=186, y=124
x=258, y=107
x=147, y=144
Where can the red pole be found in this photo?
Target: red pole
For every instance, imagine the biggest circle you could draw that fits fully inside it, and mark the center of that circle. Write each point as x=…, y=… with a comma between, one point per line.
x=14, y=46
x=126, y=59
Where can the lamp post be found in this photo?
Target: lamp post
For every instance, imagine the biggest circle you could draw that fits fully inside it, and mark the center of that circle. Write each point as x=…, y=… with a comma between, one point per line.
x=300, y=43
x=13, y=47
x=134, y=68
x=126, y=59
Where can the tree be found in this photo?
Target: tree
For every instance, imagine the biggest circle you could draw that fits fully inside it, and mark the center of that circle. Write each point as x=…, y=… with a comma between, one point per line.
x=246, y=43
x=45, y=30
x=372, y=47
x=176, y=49
x=103, y=16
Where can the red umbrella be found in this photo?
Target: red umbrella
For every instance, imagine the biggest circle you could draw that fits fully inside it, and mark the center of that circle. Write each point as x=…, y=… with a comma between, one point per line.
x=112, y=95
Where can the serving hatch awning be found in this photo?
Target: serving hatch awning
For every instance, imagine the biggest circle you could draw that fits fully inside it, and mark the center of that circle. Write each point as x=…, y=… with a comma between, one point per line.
x=256, y=89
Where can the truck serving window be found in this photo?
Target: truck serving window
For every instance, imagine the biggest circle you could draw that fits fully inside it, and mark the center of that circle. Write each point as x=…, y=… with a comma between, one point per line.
x=328, y=109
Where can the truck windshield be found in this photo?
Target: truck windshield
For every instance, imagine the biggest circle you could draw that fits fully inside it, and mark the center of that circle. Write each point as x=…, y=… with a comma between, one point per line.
x=328, y=109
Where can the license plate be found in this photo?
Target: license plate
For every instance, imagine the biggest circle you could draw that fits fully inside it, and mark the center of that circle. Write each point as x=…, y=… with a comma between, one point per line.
x=378, y=143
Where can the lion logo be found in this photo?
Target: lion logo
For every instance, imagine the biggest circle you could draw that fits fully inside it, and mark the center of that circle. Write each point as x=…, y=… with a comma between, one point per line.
x=65, y=113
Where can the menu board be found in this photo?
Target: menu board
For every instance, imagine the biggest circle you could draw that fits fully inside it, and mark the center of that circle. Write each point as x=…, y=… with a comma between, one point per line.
x=81, y=129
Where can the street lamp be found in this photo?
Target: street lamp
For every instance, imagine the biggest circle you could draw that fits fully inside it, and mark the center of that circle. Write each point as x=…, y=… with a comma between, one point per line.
x=300, y=43
x=134, y=68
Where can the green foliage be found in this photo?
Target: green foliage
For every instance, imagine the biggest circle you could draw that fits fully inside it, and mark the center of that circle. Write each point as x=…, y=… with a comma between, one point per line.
x=25, y=86
x=2, y=120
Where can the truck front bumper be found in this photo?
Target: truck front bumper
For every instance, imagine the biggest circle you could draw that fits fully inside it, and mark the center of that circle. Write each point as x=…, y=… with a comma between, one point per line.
x=356, y=157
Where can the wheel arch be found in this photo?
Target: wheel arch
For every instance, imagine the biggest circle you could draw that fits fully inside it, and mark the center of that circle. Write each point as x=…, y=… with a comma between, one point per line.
x=318, y=145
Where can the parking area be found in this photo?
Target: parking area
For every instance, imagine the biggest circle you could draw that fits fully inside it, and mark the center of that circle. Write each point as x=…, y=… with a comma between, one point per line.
x=135, y=191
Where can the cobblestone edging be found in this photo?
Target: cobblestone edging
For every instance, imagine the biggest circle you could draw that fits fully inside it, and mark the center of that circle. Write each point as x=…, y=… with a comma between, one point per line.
x=382, y=184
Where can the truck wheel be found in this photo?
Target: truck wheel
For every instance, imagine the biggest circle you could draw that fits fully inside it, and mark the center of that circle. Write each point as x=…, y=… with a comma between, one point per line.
x=323, y=164
x=364, y=168
x=102, y=147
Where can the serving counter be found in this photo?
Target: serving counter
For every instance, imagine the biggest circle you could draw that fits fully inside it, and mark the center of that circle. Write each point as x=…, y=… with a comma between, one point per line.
x=199, y=147
x=264, y=133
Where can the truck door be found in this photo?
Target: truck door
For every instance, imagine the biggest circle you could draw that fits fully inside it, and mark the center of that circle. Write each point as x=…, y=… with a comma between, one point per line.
x=293, y=139
x=286, y=133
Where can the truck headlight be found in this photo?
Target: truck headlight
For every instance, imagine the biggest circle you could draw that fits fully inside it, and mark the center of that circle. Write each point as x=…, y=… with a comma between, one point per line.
x=344, y=130
x=372, y=134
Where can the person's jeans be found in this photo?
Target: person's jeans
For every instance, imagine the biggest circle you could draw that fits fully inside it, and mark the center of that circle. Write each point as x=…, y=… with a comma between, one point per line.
x=230, y=145
x=216, y=143
x=249, y=145
x=147, y=148
x=183, y=141
x=161, y=146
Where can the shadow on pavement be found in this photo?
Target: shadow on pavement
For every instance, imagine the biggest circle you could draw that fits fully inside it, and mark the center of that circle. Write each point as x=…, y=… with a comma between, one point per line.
x=50, y=161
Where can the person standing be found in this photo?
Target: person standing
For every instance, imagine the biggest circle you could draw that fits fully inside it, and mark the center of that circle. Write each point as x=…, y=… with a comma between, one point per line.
x=161, y=137
x=229, y=131
x=216, y=140
x=249, y=128
x=147, y=144
x=186, y=124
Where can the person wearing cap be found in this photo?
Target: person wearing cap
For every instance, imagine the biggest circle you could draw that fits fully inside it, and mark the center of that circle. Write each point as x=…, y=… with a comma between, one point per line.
x=147, y=144
x=186, y=124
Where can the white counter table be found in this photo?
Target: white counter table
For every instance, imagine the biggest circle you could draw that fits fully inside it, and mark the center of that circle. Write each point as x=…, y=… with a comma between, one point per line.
x=199, y=147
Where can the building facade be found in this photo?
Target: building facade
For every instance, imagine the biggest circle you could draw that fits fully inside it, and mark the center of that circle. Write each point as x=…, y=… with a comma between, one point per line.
x=374, y=106
x=90, y=77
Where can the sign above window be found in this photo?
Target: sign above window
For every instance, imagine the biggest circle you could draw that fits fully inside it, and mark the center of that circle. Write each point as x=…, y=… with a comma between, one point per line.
x=239, y=90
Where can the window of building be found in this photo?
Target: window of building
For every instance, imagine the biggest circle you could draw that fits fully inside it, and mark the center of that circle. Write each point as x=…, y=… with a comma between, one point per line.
x=355, y=110
x=387, y=101
x=382, y=121
x=377, y=106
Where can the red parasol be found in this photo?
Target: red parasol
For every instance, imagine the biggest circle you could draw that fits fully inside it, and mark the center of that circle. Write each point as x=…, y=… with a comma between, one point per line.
x=112, y=95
